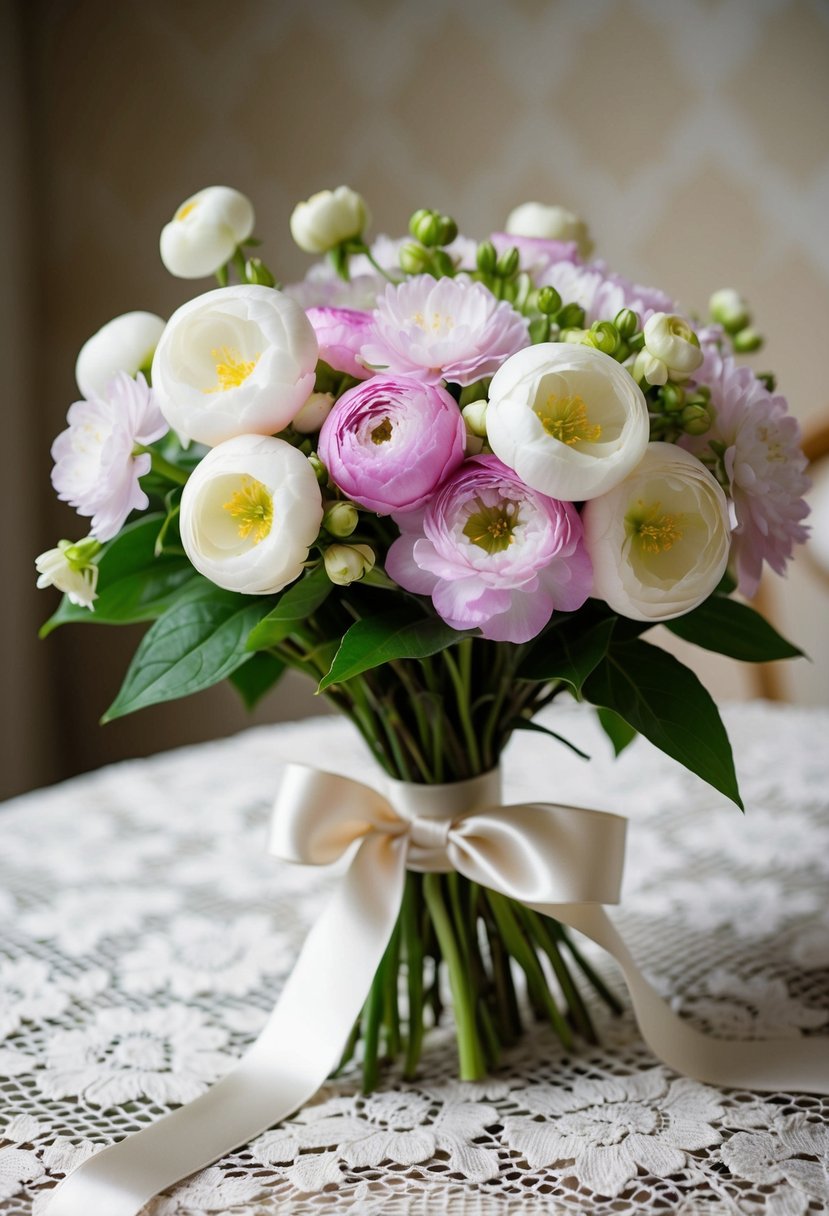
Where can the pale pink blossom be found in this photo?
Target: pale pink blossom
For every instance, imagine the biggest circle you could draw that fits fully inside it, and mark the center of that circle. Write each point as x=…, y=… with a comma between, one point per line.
x=95, y=469
x=493, y=554
x=436, y=329
x=601, y=293
x=537, y=253
x=340, y=334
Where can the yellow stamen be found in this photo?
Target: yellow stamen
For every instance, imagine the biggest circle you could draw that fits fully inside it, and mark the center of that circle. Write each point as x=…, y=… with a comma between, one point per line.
x=252, y=505
x=491, y=528
x=231, y=369
x=655, y=531
x=437, y=323
x=186, y=210
x=565, y=418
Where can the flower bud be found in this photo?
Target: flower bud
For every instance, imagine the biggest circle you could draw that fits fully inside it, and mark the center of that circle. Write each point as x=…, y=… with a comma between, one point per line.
x=508, y=262
x=486, y=257
x=747, y=341
x=313, y=413
x=604, y=336
x=768, y=380
x=320, y=471
x=328, y=218
x=414, y=258
x=427, y=227
x=442, y=264
x=729, y=309
x=695, y=419
x=345, y=564
x=448, y=230
x=571, y=316
x=205, y=231
x=474, y=415
x=257, y=272
x=341, y=518
x=627, y=322
x=671, y=350
x=125, y=344
x=550, y=224
x=548, y=301
x=673, y=398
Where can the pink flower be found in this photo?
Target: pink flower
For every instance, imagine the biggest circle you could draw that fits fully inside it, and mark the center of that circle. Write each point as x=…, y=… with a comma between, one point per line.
x=763, y=463
x=443, y=328
x=388, y=443
x=95, y=469
x=493, y=554
x=340, y=334
x=603, y=294
x=537, y=253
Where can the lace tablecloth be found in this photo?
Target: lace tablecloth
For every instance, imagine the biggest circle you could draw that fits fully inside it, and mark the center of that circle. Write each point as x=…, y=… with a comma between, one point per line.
x=146, y=934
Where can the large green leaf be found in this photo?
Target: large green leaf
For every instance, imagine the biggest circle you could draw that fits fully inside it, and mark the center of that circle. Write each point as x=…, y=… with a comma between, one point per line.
x=256, y=678
x=133, y=584
x=568, y=653
x=734, y=629
x=403, y=634
x=194, y=645
x=665, y=702
x=619, y=732
x=294, y=607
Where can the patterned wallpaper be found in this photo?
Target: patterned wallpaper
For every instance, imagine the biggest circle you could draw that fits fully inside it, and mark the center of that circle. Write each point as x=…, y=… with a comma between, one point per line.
x=694, y=135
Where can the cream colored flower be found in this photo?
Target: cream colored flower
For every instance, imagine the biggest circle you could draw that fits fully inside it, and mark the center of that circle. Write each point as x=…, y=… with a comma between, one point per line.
x=671, y=350
x=234, y=361
x=249, y=514
x=125, y=344
x=204, y=232
x=70, y=568
x=346, y=564
x=659, y=542
x=568, y=419
x=550, y=223
x=327, y=218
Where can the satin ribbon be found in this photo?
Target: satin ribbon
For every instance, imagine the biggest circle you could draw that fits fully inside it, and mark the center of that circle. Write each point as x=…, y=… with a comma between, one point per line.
x=562, y=861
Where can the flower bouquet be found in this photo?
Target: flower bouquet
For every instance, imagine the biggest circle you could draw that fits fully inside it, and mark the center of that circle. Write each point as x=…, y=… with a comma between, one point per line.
x=450, y=481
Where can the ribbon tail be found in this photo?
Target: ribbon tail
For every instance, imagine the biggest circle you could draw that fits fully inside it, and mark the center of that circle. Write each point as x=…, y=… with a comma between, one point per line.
x=773, y=1065
x=299, y=1046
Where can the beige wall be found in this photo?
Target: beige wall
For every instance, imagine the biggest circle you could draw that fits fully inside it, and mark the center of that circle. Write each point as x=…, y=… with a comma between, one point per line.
x=694, y=135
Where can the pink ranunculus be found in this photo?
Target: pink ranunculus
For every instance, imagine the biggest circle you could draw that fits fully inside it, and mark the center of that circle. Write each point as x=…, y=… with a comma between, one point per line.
x=340, y=333
x=388, y=443
x=452, y=329
x=493, y=554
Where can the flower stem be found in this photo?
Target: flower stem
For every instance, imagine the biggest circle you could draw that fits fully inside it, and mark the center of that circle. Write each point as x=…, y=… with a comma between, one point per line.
x=413, y=949
x=546, y=941
x=470, y=1053
x=164, y=468
x=609, y=998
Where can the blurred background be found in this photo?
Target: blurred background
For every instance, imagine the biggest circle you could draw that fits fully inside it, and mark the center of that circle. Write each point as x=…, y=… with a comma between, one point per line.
x=693, y=135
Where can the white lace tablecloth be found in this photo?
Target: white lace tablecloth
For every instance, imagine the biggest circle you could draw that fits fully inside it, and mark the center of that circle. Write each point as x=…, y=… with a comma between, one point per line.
x=146, y=934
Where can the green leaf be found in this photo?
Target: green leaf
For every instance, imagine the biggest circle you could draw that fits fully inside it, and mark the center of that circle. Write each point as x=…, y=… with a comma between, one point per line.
x=192, y=646
x=527, y=724
x=619, y=732
x=662, y=699
x=256, y=678
x=133, y=584
x=294, y=607
x=403, y=634
x=734, y=629
x=568, y=653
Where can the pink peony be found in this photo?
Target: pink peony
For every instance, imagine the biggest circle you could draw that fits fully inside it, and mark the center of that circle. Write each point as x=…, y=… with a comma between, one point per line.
x=443, y=328
x=763, y=463
x=340, y=333
x=389, y=442
x=493, y=554
x=95, y=469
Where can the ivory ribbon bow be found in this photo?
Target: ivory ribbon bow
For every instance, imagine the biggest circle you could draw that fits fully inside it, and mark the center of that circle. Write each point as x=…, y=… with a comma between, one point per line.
x=562, y=861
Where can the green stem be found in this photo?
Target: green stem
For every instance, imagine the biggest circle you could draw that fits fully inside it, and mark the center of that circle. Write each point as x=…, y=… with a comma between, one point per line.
x=470, y=1053
x=391, y=1015
x=537, y=926
x=164, y=468
x=372, y=1018
x=609, y=998
x=506, y=1002
x=413, y=950
x=348, y=1050
x=463, y=700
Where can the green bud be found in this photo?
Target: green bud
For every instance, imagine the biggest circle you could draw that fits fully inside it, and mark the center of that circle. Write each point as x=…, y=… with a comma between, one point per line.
x=426, y=226
x=319, y=468
x=627, y=322
x=673, y=398
x=636, y=341
x=571, y=316
x=341, y=518
x=604, y=336
x=549, y=301
x=448, y=230
x=80, y=553
x=695, y=419
x=414, y=258
x=257, y=272
x=474, y=415
x=730, y=310
x=540, y=329
x=442, y=264
x=486, y=257
x=574, y=335
x=507, y=264
x=747, y=341
x=768, y=379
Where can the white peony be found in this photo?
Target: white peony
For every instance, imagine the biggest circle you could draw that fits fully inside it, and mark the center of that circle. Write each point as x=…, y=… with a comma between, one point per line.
x=328, y=218
x=569, y=420
x=659, y=542
x=234, y=361
x=549, y=223
x=671, y=350
x=204, y=232
x=125, y=344
x=250, y=511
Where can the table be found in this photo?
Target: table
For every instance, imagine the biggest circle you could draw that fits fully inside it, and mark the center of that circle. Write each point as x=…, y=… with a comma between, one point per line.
x=146, y=934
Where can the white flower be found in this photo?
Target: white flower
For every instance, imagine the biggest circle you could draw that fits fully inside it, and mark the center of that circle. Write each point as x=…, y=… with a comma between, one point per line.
x=95, y=469
x=168, y=1055
x=234, y=361
x=70, y=568
x=313, y=413
x=125, y=344
x=328, y=218
x=249, y=514
x=345, y=564
x=549, y=223
x=569, y=420
x=659, y=542
x=205, y=231
x=671, y=350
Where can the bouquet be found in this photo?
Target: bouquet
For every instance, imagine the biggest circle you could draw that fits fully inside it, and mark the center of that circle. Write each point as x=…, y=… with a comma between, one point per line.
x=450, y=481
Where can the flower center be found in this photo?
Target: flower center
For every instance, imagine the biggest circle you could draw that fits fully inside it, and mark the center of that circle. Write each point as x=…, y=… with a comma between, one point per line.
x=491, y=528
x=252, y=505
x=565, y=418
x=653, y=530
x=438, y=322
x=382, y=432
x=186, y=210
x=231, y=369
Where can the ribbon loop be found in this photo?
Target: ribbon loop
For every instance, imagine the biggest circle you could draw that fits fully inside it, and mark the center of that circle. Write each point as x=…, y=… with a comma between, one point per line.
x=431, y=835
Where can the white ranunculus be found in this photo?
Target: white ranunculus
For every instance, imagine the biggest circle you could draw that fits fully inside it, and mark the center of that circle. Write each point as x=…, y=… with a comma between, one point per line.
x=125, y=344
x=204, y=232
x=250, y=511
x=327, y=218
x=569, y=420
x=234, y=361
x=551, y=224
x=671, y=350
x=659, y=542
